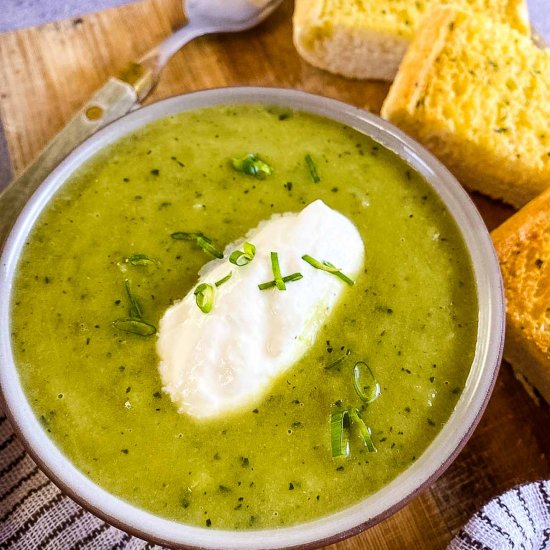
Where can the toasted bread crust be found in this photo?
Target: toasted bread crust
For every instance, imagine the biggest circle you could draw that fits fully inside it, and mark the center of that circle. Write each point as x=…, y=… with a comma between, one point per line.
x=477, y=94
x=414, y=71
x=368, y=38
x=343, y=50
x=523, y=247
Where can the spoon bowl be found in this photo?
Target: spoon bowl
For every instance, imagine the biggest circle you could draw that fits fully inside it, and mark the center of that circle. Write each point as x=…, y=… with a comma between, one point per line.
x=237, y=15
x=204, y=17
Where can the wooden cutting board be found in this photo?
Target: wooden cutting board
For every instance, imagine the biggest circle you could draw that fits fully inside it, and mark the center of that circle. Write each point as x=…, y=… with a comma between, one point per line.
x=46, y=74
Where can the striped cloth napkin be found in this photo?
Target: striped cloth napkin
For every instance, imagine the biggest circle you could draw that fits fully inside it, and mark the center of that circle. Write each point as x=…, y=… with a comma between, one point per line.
x=517, y=520
x=36, y=515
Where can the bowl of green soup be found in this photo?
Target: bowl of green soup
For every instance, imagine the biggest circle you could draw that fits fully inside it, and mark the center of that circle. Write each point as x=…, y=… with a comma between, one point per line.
x=248, y=318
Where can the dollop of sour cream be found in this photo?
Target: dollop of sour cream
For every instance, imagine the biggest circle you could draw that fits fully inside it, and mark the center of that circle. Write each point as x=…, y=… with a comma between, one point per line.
x=213, y=363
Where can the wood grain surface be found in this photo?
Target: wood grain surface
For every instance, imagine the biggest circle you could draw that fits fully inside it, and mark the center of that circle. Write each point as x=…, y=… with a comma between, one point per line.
x=47, y=73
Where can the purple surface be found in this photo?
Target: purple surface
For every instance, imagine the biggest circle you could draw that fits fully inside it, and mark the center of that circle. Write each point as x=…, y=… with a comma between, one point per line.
x=539, y=14
x=17, y=14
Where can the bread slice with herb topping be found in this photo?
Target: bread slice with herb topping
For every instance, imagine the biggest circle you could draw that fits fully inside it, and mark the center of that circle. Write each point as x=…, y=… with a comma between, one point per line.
x=523, y=247
x=477, y=94
x=367, y=38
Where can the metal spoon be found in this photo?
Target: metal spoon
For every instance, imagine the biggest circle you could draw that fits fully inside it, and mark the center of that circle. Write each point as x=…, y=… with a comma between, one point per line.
x=120, y=94
x=204, y=17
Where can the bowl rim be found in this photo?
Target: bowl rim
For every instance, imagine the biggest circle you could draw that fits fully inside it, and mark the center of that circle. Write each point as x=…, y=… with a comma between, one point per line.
x=335, y=526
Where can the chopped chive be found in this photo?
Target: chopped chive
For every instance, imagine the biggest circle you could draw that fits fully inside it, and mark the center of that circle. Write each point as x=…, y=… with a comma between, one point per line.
x=366, y=386
x=140, y=260
x=135, y=326
x=206, y=244
x=328, y=267
x=251, y=165
x=364, y=430
x=339, y=440
x=312, y=167
x=204, y=296
x=279, y=283
x=136, y=311
x=338, y=361
x=224, y=280
x=286, y=279
x=185, y=236
x=200, y=239
x=335, y=363
x=243, y=257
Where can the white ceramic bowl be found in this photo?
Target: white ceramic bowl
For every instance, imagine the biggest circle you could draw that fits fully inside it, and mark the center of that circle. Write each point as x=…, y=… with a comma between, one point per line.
x=368, y=511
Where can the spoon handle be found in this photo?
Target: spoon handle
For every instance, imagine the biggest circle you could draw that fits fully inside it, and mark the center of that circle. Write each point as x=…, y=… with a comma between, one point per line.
x=113, y=100
x=151, y=64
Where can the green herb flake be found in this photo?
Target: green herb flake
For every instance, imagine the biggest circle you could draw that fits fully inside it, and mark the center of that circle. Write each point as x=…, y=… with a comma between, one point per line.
x=206, y=244
x=364, y=430
x=338, y=362
x=276, y=268
x=135, y=326
x=328, y=267
x=224, y=280
x=339, y=438
x=185, y=236
x=140, y=260
x=312, y=168
x=251, y=165
x=204, y=297
x=200, y=240
x=136, y=311
x=243, y=257
x=286, y=279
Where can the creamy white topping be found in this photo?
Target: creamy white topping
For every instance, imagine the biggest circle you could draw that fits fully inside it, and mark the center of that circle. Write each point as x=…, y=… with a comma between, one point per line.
x=223, y=360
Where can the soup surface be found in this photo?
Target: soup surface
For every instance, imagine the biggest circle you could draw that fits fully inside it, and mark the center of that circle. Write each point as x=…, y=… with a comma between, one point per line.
x=411, y=315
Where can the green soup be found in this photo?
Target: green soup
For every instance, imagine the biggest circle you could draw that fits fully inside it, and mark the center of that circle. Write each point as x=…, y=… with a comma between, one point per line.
x=411, y=315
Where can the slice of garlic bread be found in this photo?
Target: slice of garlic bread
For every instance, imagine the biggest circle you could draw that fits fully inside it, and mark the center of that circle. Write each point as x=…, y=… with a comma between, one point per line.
x=477, y=94
x=523, y=247
x=367, y=38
